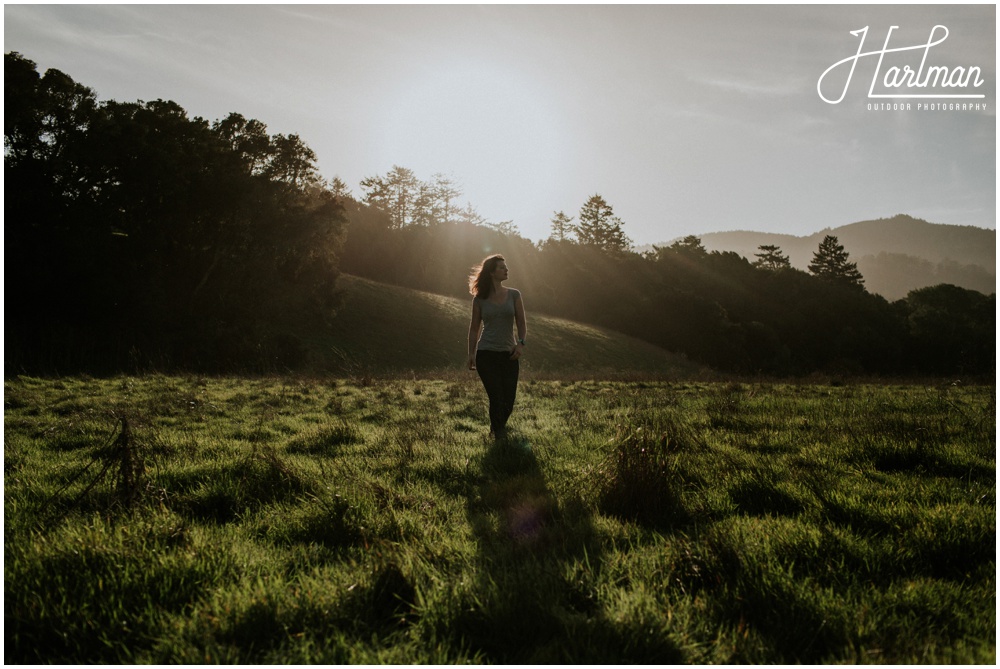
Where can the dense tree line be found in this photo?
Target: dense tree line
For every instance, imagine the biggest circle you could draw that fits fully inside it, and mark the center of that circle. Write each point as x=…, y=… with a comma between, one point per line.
x=716, y=307
x=138, y=235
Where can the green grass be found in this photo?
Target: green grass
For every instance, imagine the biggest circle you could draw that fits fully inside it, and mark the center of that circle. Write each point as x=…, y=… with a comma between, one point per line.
x=372, y=521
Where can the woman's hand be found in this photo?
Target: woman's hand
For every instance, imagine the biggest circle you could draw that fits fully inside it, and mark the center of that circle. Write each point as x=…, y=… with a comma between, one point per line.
x=518, y=350
x=472, y=362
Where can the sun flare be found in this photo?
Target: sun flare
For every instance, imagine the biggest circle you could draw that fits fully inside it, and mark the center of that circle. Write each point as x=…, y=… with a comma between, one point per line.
x=478, y=119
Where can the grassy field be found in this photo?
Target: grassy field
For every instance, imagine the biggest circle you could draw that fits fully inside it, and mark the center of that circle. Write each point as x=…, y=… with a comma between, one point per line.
x=188, y=520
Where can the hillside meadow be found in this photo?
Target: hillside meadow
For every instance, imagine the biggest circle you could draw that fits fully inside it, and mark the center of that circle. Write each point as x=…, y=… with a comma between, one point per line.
x=384, y=330
x=185, y=519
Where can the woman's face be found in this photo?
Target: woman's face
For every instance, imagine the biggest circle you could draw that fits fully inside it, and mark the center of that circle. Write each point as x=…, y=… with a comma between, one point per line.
x=500, y=271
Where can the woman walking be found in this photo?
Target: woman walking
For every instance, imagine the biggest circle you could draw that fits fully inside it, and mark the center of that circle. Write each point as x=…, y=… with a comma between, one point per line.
x=493, y=351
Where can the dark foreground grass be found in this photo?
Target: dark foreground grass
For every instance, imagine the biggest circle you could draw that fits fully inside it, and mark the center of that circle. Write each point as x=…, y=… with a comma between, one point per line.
x=337, y=522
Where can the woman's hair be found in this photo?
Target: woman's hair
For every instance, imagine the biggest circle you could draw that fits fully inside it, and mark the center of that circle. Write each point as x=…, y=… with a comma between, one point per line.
x=481, y=279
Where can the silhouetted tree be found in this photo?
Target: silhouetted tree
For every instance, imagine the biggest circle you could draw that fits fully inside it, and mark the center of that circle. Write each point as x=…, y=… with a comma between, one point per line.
x=690, y=246
x=445, y=190
x=562, y=228
x=600, y=227
x=425, y=209
x=771, y=258
x=505, y=228
x=410, y=201
x=249, y=139
x=136, y=232
x=291, y=161
x=830, y=263
x=953, y=329
x=469, y=216
x=339, y=189
x=396, y=193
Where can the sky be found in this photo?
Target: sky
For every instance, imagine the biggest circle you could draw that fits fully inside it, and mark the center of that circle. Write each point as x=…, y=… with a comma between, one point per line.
x=686, y=119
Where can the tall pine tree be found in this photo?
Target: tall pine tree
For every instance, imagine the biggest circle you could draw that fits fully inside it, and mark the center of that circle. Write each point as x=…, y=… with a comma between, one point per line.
x=771, y=258
x=830, y=262
x=600, y=227
x=562, y=227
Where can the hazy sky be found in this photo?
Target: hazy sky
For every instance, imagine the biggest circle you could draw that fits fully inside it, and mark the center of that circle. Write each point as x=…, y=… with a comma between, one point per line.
x=687, y=119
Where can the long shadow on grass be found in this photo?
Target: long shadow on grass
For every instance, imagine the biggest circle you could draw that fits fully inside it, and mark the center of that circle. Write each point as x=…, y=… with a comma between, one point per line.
x=536, y=598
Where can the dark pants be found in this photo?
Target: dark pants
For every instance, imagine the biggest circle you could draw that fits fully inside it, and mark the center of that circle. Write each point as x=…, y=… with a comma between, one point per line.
x=499, y=375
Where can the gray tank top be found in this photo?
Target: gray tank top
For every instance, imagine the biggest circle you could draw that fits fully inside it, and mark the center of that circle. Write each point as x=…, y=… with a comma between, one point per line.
x=498, y=323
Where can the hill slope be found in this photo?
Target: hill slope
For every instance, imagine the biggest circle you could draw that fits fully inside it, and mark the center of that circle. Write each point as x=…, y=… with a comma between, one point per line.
x=895, y=255
x=387, y=329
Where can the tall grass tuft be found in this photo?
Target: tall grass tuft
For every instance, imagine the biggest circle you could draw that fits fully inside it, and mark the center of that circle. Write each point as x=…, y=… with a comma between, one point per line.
x=642, y=479
x=128, y=467
x=120, y=479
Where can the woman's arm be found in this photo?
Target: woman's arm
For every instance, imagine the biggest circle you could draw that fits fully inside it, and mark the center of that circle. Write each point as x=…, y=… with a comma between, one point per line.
x=522, y=327
x=474, y=326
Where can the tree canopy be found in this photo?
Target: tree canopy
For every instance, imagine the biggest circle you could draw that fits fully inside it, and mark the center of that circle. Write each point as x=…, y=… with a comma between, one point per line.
x=138, y=232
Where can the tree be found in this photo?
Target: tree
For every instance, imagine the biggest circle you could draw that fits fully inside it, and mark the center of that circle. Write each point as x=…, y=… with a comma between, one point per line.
x=248, y=138
x=292, y=162
x=181, y=240
x=953, y=330
x=424, y=207
x=396, y=193
x=690, y=246
x=469, y=216
x=24, y=106
x=410, y=201
x=445, y=190
x=376, y=194
x=771, y=258
x=830, y=263
x=600, y=227
x=339, y=189
x=505, y=228
x=562, y=227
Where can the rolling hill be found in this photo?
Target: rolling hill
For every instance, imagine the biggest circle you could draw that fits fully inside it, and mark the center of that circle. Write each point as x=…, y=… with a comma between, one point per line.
x=382, y=329
x=895, y=255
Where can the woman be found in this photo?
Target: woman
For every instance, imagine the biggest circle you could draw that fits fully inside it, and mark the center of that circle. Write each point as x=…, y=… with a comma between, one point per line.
x=495, y=353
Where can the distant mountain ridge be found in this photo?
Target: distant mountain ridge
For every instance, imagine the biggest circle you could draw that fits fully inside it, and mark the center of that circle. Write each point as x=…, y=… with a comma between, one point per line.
x=895, y=255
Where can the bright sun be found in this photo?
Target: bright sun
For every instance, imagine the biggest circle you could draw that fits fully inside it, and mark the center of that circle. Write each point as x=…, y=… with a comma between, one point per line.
x=477, y=120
